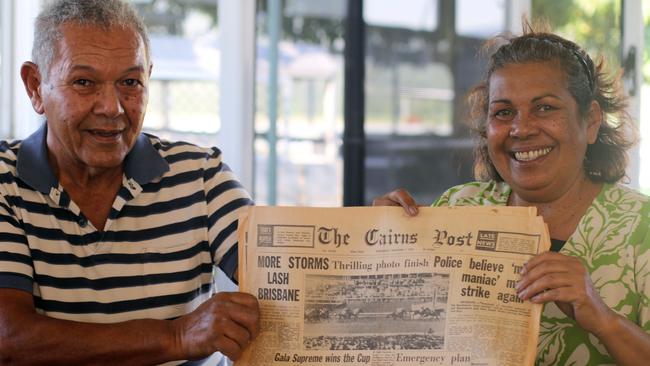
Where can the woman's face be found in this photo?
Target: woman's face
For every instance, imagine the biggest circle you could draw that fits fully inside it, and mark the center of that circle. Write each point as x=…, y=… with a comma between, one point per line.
x=536, y=137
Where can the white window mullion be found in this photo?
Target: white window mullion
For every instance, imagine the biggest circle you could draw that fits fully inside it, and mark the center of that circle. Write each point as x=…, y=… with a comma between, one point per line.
x=237, y=70
x=633, y=39
x=515, y=11
x=6, y=68
x=17, y=119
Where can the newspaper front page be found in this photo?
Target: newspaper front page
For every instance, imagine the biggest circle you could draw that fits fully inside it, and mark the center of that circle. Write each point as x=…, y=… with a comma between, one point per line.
x=372, y=286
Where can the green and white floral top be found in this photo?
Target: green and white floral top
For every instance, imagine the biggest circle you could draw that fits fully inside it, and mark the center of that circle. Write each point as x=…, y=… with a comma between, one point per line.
x=613, y=242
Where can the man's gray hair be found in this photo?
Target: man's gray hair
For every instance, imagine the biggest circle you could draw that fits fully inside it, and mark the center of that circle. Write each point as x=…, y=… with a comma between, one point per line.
x=99, y=13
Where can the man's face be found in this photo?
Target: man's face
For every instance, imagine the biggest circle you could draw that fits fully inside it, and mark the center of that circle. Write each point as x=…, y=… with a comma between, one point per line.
x=94, y=97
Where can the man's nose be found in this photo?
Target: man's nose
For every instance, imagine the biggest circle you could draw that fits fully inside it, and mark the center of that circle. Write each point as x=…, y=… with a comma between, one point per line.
x=523, y=125
x=108, y=102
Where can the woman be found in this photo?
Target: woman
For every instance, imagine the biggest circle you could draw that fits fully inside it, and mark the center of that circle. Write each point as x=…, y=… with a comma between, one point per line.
x=553, y=134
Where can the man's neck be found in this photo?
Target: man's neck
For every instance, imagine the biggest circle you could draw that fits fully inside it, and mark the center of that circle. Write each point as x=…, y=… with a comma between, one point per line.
x=94, y=192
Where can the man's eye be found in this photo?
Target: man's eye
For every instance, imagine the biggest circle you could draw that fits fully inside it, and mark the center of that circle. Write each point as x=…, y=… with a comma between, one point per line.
x=131, y=82
x=82, y=82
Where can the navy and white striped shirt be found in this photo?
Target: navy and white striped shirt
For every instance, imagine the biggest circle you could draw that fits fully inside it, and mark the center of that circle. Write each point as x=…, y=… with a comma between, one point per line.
x=174, y=217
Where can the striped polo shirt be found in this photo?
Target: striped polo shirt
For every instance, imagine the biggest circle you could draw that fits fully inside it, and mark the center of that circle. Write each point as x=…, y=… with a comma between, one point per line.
x=173, y=219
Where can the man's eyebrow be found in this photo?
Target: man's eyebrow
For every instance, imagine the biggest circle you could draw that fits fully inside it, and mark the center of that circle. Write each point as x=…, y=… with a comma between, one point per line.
x=138, y=68
x=82, y=67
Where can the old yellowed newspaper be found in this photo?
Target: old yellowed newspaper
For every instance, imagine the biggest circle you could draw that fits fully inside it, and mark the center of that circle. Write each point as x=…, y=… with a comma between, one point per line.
x=372, y=286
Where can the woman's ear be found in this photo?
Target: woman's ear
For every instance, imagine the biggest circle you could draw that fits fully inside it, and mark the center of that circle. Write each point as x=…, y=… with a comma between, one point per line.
x=594, y=120
x=32, y=80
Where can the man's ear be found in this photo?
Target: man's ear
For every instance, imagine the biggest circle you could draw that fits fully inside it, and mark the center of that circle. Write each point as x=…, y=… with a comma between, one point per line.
x=594, y=120
x=32, y=80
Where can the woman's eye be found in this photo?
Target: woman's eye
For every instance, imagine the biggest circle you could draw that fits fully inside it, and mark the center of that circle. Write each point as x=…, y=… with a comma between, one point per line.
x=503, y=113
x=545, y=108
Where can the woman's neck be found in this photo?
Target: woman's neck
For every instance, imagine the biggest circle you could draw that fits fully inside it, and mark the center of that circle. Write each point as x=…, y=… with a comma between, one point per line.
x=563, y=213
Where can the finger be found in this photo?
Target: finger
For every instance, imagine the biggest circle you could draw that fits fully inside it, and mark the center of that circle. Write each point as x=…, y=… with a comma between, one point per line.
x=546, y=296
x=541, y=270
x=243, y=309
x=556, y=294
x=237, y=333
x=543, y=257
x=547, y=263
x=549, y=282
x=244, y=299
x=229, y=347
x=403, y=197
x=398, y=197
x=247, y=320
x=405, y=200
x=384, y=201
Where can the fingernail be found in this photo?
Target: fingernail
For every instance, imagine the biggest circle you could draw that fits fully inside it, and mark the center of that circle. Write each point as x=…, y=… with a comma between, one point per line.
x=534, y=299
x=413, y=211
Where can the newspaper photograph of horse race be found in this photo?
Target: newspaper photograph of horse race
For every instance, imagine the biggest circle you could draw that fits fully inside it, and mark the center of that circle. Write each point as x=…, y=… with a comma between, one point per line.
x=375, y=312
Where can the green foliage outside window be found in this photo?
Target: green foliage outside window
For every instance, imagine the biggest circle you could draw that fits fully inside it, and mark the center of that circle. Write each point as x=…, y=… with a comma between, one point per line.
x=593, y=24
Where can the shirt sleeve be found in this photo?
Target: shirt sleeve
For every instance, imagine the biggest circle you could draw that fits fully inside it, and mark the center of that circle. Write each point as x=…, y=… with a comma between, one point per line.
x=443, y=200
x=475, y=194
x=642, y=274
x=16, y=266
x=226, y=200
x=453, y=195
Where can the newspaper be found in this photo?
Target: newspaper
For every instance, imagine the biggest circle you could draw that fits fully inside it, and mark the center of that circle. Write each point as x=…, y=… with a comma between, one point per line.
x=372, y=286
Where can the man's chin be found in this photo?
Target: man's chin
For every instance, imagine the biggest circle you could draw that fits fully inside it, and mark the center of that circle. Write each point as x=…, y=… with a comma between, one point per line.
x=105, y=162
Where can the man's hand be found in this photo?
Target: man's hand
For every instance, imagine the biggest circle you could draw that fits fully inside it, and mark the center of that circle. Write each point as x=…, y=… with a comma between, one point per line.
x=227, y=323
x=398, y=197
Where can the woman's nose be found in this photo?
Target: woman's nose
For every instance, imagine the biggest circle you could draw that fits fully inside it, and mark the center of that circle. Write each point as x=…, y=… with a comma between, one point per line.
x=523, y=125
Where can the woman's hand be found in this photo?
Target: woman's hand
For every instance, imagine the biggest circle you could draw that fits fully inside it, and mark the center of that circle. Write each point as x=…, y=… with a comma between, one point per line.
x=564, y=279
x=398, y=197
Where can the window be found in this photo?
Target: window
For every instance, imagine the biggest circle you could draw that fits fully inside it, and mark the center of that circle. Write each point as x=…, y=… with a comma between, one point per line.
x=481, y=19
x=184, y=89
x=298, y=112
x=595, y=25
x=417, y=74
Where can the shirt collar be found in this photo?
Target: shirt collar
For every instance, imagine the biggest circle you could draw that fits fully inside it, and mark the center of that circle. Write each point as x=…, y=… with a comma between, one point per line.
x=143, y=163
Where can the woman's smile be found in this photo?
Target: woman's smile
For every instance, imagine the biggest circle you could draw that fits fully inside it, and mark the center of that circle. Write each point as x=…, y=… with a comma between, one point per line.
x=531, y=155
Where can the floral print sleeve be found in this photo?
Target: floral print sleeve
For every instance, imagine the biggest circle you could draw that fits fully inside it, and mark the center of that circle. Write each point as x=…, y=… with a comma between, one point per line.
x=642, y=275
x=613, y=242
x=475, y=194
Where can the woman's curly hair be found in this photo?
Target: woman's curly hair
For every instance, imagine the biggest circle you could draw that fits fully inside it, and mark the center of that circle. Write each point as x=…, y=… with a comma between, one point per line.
x=606, y=159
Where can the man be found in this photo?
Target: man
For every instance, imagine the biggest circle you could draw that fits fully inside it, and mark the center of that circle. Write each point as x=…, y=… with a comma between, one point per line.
x=108, y=237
